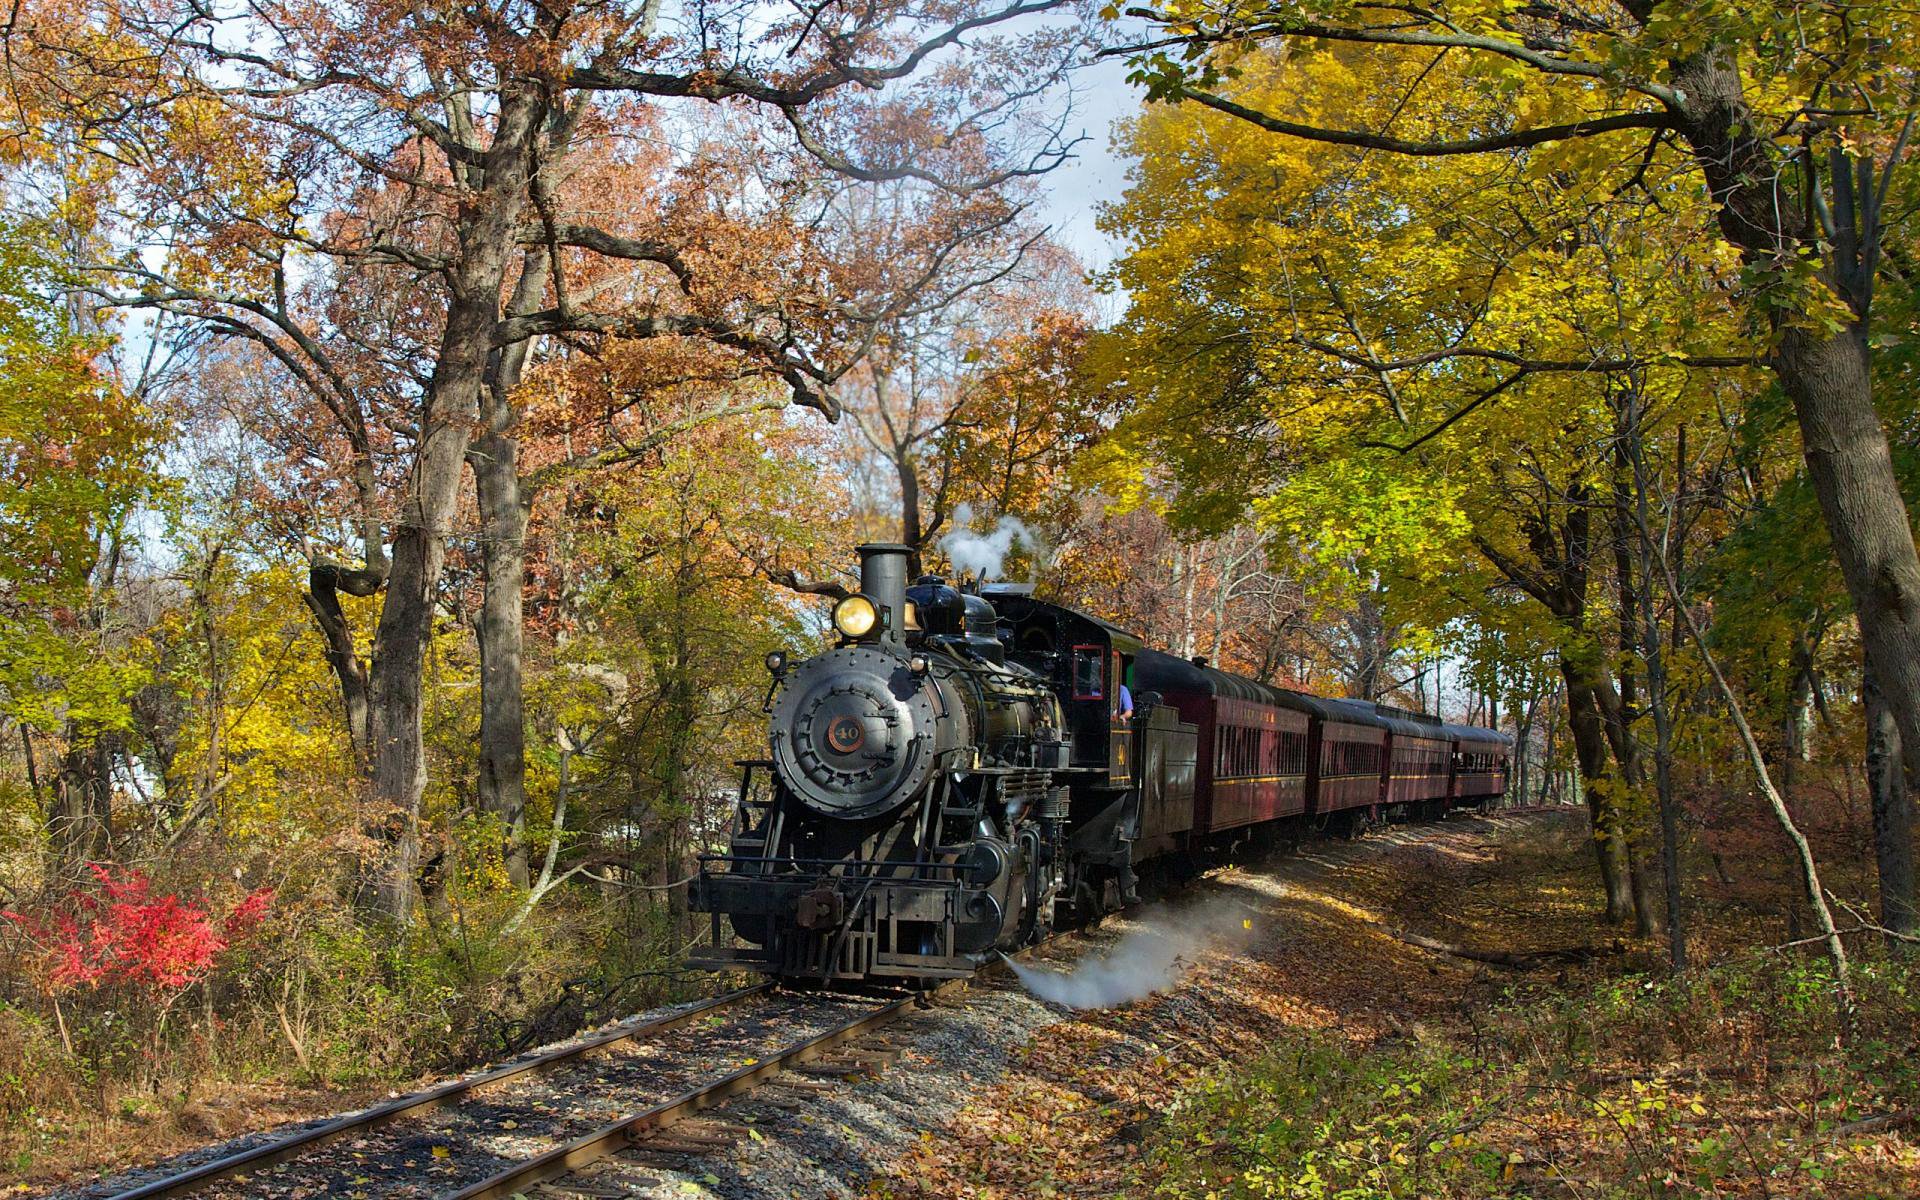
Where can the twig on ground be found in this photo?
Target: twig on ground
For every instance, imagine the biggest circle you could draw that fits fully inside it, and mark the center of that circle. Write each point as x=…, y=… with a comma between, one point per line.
x=1863, y=927
x=1523, y=960
x=1879, y=1124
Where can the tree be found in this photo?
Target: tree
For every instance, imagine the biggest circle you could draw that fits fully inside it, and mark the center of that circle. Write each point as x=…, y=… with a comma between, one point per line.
x=1030, y=410
x=75, y=464
x=556, y=408
x=415, y=152
x=1310, y=335
x=1795, y=122
x=949, y=408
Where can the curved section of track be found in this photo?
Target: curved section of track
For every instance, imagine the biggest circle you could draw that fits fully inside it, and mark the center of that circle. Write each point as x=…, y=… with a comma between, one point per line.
x=253, y=1168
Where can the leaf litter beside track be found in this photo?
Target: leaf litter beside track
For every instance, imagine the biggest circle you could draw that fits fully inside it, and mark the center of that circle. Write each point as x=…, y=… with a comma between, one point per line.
x=1073, y=1114
x=1330, y=1057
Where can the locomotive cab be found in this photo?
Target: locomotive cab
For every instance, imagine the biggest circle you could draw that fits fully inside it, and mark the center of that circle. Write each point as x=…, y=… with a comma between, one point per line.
x=1087, y=660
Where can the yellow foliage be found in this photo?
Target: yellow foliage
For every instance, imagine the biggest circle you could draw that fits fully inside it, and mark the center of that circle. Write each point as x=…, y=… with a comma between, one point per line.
x=262, y=732
x=1400, y=364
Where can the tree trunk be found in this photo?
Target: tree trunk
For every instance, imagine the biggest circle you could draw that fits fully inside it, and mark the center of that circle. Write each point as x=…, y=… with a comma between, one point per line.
x=1852, y=472
x=80, y=817
x=1550, y=774
x=1653, y=651
x=1185, y=574
x=1619, y=792
x=683, y=710
x=909, y=476
x=325, y=581
x=1590, y=751
x=489, y=236
x=1626, y=747
x=1520, y=784
x=1828, y=376
x=505, y=503
x=1793, y=725
x=503, y=736
x=1892, y=811
x=215, y=702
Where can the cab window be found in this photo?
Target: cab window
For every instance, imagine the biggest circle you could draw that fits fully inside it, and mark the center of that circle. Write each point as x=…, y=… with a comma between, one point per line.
x=1089, y=673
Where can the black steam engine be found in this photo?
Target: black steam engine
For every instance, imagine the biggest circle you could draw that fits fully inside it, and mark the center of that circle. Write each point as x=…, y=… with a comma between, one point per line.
x=958, y=775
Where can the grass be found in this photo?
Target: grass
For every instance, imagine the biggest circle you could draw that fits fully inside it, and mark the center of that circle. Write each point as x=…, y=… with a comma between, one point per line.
x=1732, y=1082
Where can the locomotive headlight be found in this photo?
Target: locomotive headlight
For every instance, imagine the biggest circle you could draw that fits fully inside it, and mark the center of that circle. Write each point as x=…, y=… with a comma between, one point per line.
x=776, y=661
x=855, y=616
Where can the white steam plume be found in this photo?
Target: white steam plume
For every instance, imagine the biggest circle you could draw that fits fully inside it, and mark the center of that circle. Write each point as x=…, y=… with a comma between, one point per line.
x=1148, y=959
x=985, y=554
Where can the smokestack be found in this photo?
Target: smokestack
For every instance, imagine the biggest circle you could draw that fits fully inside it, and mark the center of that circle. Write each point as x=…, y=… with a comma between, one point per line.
x=883, y=579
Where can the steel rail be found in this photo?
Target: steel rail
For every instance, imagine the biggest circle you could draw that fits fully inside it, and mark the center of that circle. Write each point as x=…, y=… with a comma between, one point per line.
x=268, y=1153
x=629, y=1129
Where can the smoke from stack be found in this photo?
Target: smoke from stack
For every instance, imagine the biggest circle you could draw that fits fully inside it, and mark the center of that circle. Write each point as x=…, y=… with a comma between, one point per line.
x=984, y=555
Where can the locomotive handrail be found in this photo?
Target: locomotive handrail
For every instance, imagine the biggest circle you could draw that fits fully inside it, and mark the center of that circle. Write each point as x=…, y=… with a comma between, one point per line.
x=768, y=860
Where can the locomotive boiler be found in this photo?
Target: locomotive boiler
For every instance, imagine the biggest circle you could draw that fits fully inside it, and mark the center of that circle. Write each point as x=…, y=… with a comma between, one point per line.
x=907, y=821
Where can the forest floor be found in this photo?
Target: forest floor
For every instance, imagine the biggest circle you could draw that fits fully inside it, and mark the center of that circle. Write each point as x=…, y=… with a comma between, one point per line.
x=1332, y=1056
x=1305, y=1042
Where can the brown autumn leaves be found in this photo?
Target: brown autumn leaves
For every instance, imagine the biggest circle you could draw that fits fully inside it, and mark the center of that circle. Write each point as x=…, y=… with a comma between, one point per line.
x=441, y=260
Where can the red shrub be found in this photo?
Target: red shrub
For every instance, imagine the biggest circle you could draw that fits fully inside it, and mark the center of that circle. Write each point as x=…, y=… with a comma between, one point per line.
x=121, y=932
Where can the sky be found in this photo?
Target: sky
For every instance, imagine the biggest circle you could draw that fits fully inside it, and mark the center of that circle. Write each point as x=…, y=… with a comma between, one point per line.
x=1075, y=189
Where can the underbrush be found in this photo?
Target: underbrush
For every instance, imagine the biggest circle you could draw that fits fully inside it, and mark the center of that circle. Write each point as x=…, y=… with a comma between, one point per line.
x=112, y=1038
x=1734, y=1081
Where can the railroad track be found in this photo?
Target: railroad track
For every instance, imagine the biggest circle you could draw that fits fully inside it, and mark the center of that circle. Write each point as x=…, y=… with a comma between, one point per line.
x=501, y=1132
x=593, y=1098
x=635, y=1128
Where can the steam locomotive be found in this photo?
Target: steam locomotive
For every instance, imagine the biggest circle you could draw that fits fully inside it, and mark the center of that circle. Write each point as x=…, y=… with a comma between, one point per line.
x=957, y=777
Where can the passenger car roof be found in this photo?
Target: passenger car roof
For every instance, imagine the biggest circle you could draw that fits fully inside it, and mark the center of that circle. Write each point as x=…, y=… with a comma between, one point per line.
x=1156, y=669
x=1405, y=724
x=1479, y=733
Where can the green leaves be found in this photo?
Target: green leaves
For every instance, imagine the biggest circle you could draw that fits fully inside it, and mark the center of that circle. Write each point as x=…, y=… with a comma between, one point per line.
x=1400, y=365
x=75, y=460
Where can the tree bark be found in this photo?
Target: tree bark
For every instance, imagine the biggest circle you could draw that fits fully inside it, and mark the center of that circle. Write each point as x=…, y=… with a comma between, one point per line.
x=1827, y=375
x=1892, y=811
x=325, y=581
x=80, y=818
x=505, y=502
x=1590, y=750
x=1653, y=651
x=1626, y=746
x=1851, y=468
x=912, y=531
x=502, y=779
x=489, y=236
